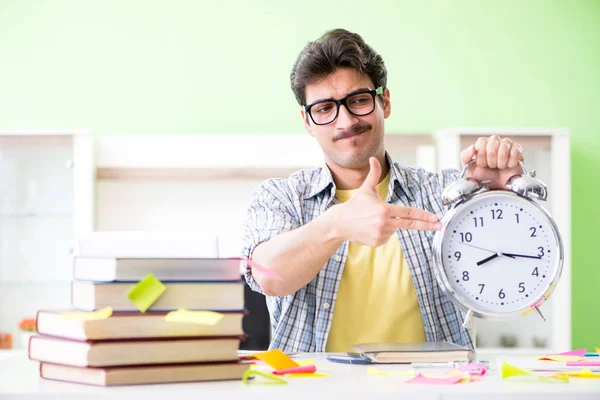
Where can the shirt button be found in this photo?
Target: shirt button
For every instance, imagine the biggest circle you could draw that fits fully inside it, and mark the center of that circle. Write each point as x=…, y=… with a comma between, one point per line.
x=338, y=258
x=326, y=305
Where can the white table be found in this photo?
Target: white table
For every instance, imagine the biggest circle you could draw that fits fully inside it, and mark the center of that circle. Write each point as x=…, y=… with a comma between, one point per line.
x=19, y=379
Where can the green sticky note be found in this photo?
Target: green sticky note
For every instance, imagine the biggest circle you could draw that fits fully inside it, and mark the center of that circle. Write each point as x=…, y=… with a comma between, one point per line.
x=271, y=378
x=146, y=292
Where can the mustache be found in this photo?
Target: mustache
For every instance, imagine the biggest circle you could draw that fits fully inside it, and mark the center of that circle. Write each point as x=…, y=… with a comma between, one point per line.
x=354, y=130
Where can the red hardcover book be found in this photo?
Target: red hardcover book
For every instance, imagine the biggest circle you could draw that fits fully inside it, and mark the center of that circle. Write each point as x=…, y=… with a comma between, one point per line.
x=126, y=325
x=105, y=353
x=144, y=374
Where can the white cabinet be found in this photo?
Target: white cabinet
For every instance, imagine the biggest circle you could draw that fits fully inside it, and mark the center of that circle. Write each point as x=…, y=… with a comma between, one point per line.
x=548, y=152
x=46, y=195
x=204, y=182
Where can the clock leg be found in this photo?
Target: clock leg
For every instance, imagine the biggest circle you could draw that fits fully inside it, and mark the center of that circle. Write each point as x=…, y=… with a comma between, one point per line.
x=537, y=310
x=467, y=320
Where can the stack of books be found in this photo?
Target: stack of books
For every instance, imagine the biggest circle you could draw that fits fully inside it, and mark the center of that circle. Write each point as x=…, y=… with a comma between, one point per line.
x=134, y=346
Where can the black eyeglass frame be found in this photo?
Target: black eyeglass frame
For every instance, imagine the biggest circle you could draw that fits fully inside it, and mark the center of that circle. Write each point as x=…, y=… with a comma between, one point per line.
x=373, y=93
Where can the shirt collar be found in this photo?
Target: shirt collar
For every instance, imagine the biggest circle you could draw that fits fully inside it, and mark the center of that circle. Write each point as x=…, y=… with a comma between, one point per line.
x=398, y=178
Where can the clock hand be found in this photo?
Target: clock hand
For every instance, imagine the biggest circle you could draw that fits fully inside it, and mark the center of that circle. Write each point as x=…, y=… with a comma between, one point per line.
x=480, y=248
x=490, y=258
x=521, y=255
x=491, y=251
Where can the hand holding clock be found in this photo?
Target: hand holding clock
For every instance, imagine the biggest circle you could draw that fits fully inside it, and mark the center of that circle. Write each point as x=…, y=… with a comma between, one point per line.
x=496, y=159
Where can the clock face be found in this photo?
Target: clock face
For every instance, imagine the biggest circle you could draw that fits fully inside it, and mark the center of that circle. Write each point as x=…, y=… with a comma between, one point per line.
x=500, y=253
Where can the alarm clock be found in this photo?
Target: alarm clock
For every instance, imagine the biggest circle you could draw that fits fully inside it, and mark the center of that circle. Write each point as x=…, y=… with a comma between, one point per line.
x=499, y=253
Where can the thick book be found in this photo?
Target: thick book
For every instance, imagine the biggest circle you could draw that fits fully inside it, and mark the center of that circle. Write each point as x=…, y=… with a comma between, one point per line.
x=128, y=325
x=413, y=352
x=109, y=269
x=145, y=374
x=106, y=353
x=214, y=296
x=139, y=244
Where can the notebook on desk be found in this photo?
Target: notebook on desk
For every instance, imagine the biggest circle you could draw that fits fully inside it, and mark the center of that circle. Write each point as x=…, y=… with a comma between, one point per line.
x=414, y=352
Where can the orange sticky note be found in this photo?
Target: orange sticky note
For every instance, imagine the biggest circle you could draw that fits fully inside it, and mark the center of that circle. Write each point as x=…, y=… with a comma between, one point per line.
x=277, y=359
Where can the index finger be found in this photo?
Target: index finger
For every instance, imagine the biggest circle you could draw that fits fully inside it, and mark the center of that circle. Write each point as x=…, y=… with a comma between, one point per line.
x=411, y=213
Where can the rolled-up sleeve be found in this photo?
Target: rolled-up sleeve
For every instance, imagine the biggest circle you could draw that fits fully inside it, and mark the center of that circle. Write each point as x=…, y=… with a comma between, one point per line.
x=270, y=212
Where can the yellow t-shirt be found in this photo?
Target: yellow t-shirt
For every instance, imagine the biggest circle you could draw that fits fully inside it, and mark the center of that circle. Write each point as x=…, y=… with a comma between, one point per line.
x=376, y=299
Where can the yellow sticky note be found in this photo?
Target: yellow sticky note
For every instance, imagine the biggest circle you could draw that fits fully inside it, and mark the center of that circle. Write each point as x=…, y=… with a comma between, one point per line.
x=277, y=359
x=194, y=317
x=376, y=372
x=510, y=371
x=272, y=378
x=311, y=361
x=597, y=349
x=584, y=373
x=88, y=316
x=146, y=292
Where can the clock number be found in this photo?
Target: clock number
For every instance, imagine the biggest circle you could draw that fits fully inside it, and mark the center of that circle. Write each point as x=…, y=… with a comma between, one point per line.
x=497, y=214
x=457, y=255
x=521, y=287
x=478, y=221
x=466, y=237
x=465, y=276
x=482, y=286
x=517, y=215
x=541, y=253
x=533, y=231
x=501, y=294
x=535, y=272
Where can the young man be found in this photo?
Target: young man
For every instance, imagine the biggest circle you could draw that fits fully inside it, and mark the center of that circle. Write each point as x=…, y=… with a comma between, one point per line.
x=352, y=240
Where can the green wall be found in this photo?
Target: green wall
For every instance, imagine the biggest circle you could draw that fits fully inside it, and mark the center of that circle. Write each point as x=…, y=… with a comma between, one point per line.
x=119, y=66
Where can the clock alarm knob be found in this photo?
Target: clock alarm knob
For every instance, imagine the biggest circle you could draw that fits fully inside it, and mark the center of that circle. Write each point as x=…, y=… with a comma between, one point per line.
x=526, y=185
x=462, y=188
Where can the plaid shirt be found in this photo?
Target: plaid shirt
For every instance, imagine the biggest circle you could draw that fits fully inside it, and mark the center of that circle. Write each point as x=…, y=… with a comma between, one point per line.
x=301, y=320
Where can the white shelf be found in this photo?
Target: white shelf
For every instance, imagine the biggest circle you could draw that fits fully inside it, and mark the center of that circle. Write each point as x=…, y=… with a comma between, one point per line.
x=35, y=215
x=25, y=283
x=45, y=197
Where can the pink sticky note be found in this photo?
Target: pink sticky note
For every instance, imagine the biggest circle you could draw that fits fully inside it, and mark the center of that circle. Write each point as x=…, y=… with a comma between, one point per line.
x=579, y=353
x=473, y=369
x=583, y=363
x=260, y=268
x=297, y=370
x=572, y=353
x=420, y=379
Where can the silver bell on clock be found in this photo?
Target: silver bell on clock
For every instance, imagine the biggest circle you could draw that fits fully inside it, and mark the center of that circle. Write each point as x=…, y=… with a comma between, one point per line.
x=499, y=253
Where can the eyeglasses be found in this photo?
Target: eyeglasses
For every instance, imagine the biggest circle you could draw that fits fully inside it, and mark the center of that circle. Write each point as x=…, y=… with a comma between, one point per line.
x=359, y=104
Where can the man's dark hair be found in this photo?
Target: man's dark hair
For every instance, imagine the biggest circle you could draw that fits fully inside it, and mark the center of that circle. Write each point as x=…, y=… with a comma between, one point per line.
x=337, y=48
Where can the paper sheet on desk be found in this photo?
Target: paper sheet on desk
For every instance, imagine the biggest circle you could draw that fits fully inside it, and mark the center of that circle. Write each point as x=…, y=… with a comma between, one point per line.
x=535, y=364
